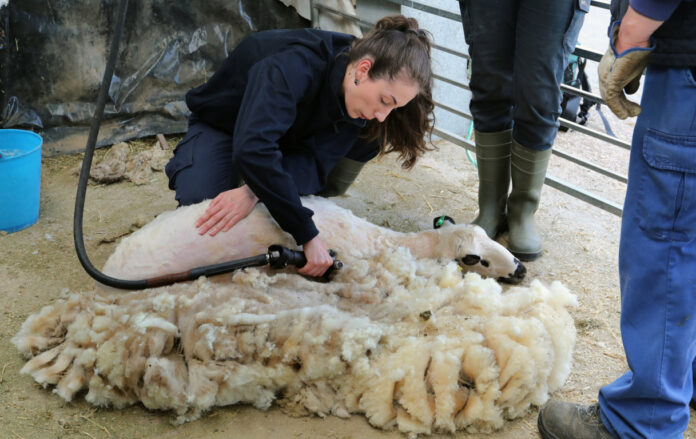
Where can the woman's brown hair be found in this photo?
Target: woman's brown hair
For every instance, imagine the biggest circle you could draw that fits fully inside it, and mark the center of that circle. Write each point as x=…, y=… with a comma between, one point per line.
x=400, y=49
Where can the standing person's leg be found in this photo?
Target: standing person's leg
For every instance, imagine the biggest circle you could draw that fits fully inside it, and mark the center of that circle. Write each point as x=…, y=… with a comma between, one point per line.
x=202, y=166
x=546, y=34
x=657, y=257
x=489, y=30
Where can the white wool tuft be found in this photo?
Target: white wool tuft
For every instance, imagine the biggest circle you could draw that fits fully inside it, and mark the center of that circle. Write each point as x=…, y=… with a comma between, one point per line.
x=407, y=342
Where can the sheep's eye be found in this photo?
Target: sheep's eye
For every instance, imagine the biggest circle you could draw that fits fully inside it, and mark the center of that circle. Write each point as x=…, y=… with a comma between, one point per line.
x=484, y=263
x=471, y=259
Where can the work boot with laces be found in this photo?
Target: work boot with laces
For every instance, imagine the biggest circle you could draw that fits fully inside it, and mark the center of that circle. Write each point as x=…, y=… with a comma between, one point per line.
x=565, y=420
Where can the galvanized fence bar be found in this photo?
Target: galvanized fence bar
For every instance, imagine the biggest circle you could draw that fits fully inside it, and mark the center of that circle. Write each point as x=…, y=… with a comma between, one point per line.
x=361, y=23
x=369, y=25
x=593, y=133
x=455, y=138
x=600, y=4
x=451, y=81
x=425, y=8
x=583, y=195
x=452, y=110
x=598, y=169
x=588, y=53
x=582, y=93
x=554, y=182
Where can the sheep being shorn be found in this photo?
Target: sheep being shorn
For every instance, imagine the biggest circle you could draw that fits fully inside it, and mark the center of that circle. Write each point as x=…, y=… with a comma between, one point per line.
x=407, y=342
x=171, y=243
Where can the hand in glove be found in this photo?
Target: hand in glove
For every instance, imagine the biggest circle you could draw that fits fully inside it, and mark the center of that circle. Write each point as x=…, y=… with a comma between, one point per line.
x=619, y=72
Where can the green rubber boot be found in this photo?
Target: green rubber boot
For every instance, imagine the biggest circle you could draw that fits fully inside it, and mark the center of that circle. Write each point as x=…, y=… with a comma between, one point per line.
x=341, y=177
x=493, y=161
x=528, y=173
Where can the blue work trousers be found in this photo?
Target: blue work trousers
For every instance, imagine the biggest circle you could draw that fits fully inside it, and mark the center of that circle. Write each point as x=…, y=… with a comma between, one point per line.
x=657, y=265
x=519, y=49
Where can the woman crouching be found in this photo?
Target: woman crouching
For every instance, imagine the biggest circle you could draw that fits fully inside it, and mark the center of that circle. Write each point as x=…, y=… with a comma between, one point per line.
x=299, y=112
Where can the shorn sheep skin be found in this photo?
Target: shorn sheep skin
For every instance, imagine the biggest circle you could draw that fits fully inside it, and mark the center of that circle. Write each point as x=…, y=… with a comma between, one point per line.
x=171, y=244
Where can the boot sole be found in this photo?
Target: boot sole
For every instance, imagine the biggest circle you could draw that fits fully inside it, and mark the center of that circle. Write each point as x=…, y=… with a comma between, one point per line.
x=526, y=257
x=522, y=256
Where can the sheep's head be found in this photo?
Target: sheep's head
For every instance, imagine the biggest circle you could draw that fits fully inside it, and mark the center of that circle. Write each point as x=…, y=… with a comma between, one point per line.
x=474, y=251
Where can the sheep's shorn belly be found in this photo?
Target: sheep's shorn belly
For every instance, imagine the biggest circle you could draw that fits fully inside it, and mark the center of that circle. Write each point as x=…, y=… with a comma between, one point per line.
x=408, y=343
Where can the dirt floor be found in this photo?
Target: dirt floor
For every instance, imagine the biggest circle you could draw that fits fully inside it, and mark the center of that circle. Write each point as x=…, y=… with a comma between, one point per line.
x=37, y=264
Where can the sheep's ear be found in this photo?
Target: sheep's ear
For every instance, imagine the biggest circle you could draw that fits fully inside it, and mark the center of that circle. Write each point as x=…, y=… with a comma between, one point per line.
x=442, y=220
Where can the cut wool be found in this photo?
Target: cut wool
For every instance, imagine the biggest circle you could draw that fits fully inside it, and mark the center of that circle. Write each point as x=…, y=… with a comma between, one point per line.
x=407, y=342
x=118, y=163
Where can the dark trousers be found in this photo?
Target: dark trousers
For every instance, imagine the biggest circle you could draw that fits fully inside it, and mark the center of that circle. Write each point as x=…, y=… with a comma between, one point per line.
x=203, y=167
x=518, y=50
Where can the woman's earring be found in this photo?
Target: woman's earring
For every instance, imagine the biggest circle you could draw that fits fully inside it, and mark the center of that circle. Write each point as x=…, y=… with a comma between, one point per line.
x=356, y=81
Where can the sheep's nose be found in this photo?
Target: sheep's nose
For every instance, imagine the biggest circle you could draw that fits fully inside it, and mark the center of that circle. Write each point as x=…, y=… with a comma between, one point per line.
x=520, y=271
x=517, y=276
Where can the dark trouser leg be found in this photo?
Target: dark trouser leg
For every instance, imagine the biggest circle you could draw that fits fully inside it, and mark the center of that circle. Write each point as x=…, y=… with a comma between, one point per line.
x=546, y=34
x=202, y=166
x=489, y=28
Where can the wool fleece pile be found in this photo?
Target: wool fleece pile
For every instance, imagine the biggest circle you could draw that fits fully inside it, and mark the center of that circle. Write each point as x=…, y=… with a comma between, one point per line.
x=407, y=342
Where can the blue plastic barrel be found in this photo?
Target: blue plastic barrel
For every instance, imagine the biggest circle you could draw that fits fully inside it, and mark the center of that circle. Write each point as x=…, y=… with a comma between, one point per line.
x=20, y=179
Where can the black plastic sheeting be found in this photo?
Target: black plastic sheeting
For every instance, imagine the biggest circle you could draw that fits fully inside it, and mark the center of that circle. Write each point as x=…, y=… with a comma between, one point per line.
x=53, y=55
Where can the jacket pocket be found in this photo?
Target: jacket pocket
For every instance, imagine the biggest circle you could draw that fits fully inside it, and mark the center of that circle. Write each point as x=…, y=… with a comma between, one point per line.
x=668, y=187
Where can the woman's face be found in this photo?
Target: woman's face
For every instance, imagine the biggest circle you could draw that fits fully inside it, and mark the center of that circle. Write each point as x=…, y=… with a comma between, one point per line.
x=374, y=99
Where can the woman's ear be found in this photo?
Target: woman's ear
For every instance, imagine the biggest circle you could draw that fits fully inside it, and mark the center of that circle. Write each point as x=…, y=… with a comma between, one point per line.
x=364, y=66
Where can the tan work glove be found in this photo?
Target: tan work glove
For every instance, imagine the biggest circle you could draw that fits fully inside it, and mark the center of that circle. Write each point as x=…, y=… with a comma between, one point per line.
x=619, y=73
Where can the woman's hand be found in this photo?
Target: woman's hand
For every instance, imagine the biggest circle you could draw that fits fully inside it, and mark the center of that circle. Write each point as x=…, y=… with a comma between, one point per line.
x=318, y=258
x=226, y=210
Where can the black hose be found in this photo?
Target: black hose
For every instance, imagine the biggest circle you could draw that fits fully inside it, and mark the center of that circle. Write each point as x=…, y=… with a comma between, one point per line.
x=87, y=162
x=6, y=69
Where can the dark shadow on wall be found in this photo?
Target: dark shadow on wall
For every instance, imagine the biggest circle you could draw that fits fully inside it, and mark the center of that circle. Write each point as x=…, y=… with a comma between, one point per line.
x=53, y=54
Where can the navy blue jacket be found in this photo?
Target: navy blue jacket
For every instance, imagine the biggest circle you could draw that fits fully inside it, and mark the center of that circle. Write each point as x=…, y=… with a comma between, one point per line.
x=279, y=95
